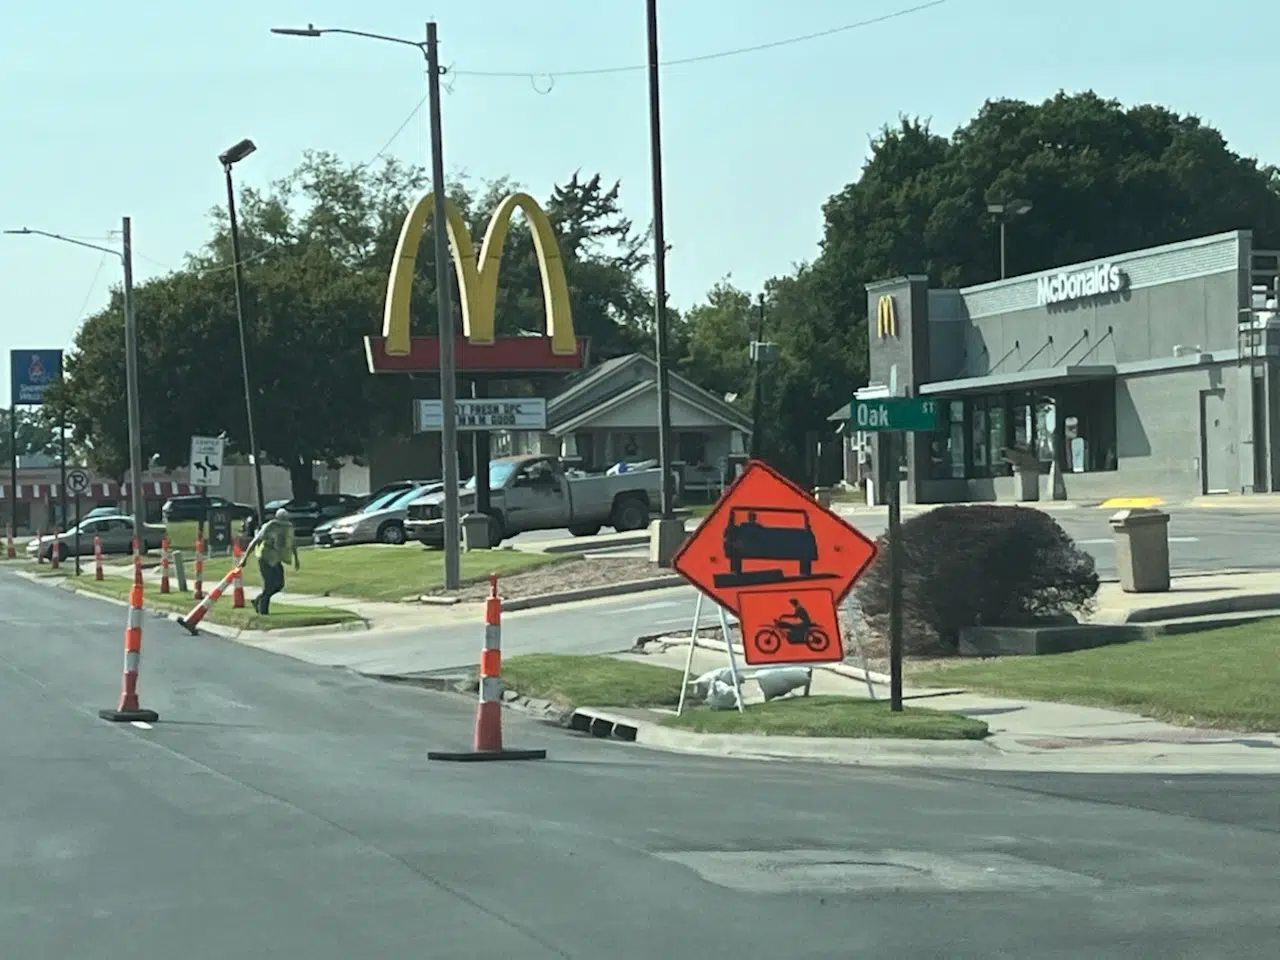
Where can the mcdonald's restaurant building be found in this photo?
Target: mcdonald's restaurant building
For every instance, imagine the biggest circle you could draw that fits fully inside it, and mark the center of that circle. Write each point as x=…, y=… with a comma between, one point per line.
x=1154, y=373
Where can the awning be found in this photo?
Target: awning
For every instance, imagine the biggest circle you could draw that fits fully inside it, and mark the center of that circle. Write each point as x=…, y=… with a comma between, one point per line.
x=1042, y=377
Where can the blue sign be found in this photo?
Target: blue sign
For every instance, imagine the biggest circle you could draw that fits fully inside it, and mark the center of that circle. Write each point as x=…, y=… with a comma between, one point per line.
x=31, y=372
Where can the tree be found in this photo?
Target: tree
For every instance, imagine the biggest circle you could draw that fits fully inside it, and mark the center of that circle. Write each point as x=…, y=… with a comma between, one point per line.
x=37, y=433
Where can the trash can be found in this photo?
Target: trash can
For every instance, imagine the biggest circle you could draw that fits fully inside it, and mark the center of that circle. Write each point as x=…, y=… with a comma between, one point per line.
x=1026, y=473
x=1142, y=549
x=475, y=532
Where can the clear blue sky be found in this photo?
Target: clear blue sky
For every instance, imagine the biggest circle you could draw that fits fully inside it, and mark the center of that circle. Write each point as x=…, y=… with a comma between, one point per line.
x=122, y=108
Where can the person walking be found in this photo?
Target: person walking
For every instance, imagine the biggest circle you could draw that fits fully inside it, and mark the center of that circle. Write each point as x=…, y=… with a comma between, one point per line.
x=275, y=546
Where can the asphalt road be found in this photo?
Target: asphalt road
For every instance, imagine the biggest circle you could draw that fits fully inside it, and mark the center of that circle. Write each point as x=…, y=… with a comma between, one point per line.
x=285, y=810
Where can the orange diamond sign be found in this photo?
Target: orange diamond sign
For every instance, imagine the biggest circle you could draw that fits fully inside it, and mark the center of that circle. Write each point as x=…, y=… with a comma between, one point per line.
x=766, y=534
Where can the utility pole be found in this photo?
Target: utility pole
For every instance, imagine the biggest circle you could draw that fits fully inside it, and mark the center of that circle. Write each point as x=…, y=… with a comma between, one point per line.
x=659, y=269
x=757, y=386
x=131, y=388
x=444, y=313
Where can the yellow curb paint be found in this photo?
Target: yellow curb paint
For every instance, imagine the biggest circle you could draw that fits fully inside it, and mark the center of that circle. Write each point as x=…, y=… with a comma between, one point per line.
x=1129, y=503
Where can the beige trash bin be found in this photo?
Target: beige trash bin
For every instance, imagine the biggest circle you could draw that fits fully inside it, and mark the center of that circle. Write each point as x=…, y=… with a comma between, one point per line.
x=1142, y=549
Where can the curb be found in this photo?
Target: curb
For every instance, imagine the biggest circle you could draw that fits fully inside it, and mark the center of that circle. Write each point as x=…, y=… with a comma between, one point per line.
x=593, y=593
x=586, y=546
x=1248, y=603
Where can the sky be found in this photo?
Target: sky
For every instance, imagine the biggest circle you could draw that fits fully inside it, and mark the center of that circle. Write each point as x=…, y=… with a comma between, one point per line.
x=112, y=110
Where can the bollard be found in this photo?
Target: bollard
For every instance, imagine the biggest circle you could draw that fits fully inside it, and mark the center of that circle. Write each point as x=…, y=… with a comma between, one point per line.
x=488, y=732
x=56, y=549
x=39, y=545
x=197, y=592
x=129, y=710
x=10, y=551
x=164, y=564
x=97, y=558
x=180, y=570
x=237, y=590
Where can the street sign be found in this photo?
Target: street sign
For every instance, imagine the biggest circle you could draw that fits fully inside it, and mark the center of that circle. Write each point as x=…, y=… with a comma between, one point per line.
x=800, y=625
x=765, y=544
x=206, y=461
x=897, y=414
x=517, y=413
x=78, y=482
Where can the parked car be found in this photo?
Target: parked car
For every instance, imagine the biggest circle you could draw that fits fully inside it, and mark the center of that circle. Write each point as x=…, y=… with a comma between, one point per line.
x=306, y=515
x=382, y=521
x=536, y=493
x=115, y=532
x=197, y=507
x=97, y=512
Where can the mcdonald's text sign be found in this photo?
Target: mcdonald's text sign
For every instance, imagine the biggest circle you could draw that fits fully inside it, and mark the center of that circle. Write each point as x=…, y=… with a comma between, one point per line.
x=478, y=349
x=886, y=318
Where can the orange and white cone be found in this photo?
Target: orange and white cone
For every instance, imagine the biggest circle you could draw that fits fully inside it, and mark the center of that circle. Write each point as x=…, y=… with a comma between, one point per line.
x=130, y=710
x=98, y=572
x=198, y=592
x=10, y=552
x=488, y=733
x=39, y=545
x=237, y=590
x=201, y=609
x=56, y=549
x=164, y=565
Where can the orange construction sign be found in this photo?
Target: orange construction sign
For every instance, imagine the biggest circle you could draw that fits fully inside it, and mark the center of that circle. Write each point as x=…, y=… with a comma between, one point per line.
x=765, y=533
x=790, y=626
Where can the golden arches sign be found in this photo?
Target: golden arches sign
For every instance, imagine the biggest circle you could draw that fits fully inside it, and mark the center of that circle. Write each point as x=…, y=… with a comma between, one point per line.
x=478, y=276
x=886, y=318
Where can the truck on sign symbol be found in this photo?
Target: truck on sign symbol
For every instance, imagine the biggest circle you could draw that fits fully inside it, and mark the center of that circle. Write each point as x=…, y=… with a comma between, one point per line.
x=747, y=538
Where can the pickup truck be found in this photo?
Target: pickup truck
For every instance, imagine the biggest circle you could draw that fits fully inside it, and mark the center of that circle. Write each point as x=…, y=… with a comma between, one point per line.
x=536, y=493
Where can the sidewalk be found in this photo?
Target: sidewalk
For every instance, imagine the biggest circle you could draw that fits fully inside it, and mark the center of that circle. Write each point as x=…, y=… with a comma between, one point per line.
x=1197, y=595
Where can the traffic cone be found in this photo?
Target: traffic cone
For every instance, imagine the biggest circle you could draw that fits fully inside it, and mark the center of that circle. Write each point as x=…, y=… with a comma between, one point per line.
x=55, y=550
x=201, y=609
x=164, y=565
x=237, y=590
x=129, y=710
x=10, y=551
x=198, y=592
x=488, y=733
x=39, y=545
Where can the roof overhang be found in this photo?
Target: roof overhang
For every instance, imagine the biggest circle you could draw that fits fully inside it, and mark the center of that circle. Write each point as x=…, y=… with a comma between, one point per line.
x=1043, y=377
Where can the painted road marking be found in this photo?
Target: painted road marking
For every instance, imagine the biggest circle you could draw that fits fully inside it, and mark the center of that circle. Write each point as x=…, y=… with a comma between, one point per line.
x=141, y=725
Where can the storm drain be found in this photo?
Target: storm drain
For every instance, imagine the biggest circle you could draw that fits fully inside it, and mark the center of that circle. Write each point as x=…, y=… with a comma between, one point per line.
x=851, y=871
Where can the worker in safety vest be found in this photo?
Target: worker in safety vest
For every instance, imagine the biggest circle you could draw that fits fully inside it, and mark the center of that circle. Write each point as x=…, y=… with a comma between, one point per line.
x=275, y=546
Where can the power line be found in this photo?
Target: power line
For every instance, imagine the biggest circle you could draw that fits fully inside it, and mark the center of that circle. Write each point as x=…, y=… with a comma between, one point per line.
x=706, y=57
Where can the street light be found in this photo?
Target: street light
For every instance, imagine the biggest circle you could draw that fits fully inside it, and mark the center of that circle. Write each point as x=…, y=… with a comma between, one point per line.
x=1004, y=212
x=125, y=253
x=444, y=306
x=229, y=158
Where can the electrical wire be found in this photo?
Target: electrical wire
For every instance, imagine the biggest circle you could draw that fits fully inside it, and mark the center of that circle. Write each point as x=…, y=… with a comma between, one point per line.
x=93, y=285
x=705, y=57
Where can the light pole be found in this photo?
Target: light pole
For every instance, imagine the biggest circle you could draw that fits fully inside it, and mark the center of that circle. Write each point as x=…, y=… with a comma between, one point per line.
x=659, y=268
x=125, y=253
x=444, y=306
x=229, y=158
x=1004, y=212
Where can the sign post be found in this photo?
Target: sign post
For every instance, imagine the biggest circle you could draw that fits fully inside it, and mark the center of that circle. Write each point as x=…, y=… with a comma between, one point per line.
x=771, y=554
x=77, y=484
x=891, y=417
x=31, y=373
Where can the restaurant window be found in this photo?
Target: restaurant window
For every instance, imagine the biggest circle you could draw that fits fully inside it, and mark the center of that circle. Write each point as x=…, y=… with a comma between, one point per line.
x=989, y=432
x=1088, y=413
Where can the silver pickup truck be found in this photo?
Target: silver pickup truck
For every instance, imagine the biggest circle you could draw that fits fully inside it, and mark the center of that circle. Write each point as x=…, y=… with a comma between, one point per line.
x=536, y=493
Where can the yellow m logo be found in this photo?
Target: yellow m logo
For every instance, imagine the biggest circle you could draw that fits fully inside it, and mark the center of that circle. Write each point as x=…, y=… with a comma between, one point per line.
x=478, y=279
x=886, y=318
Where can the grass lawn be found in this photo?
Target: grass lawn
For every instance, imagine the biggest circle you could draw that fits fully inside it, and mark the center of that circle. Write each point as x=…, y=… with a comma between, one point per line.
x=577, y=681
x=381, y=572
x=182, y=536
x=282, y=615
x=828, y=716
x=1227, y=678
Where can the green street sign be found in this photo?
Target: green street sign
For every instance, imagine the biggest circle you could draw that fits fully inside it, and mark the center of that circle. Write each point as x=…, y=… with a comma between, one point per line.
x=895, y=414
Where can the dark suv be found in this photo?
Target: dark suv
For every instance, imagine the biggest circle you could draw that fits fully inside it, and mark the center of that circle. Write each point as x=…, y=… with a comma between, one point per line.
x=196, y=507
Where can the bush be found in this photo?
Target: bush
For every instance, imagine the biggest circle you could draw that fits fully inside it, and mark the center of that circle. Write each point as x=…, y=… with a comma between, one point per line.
x=967, y=566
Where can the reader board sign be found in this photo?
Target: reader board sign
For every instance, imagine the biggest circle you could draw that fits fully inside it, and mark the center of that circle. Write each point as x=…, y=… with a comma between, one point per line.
x=519, y=413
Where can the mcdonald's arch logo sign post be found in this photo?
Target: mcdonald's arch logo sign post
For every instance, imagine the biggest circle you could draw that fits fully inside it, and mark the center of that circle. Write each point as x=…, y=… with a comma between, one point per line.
x=886, y=318
x=478, y=349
